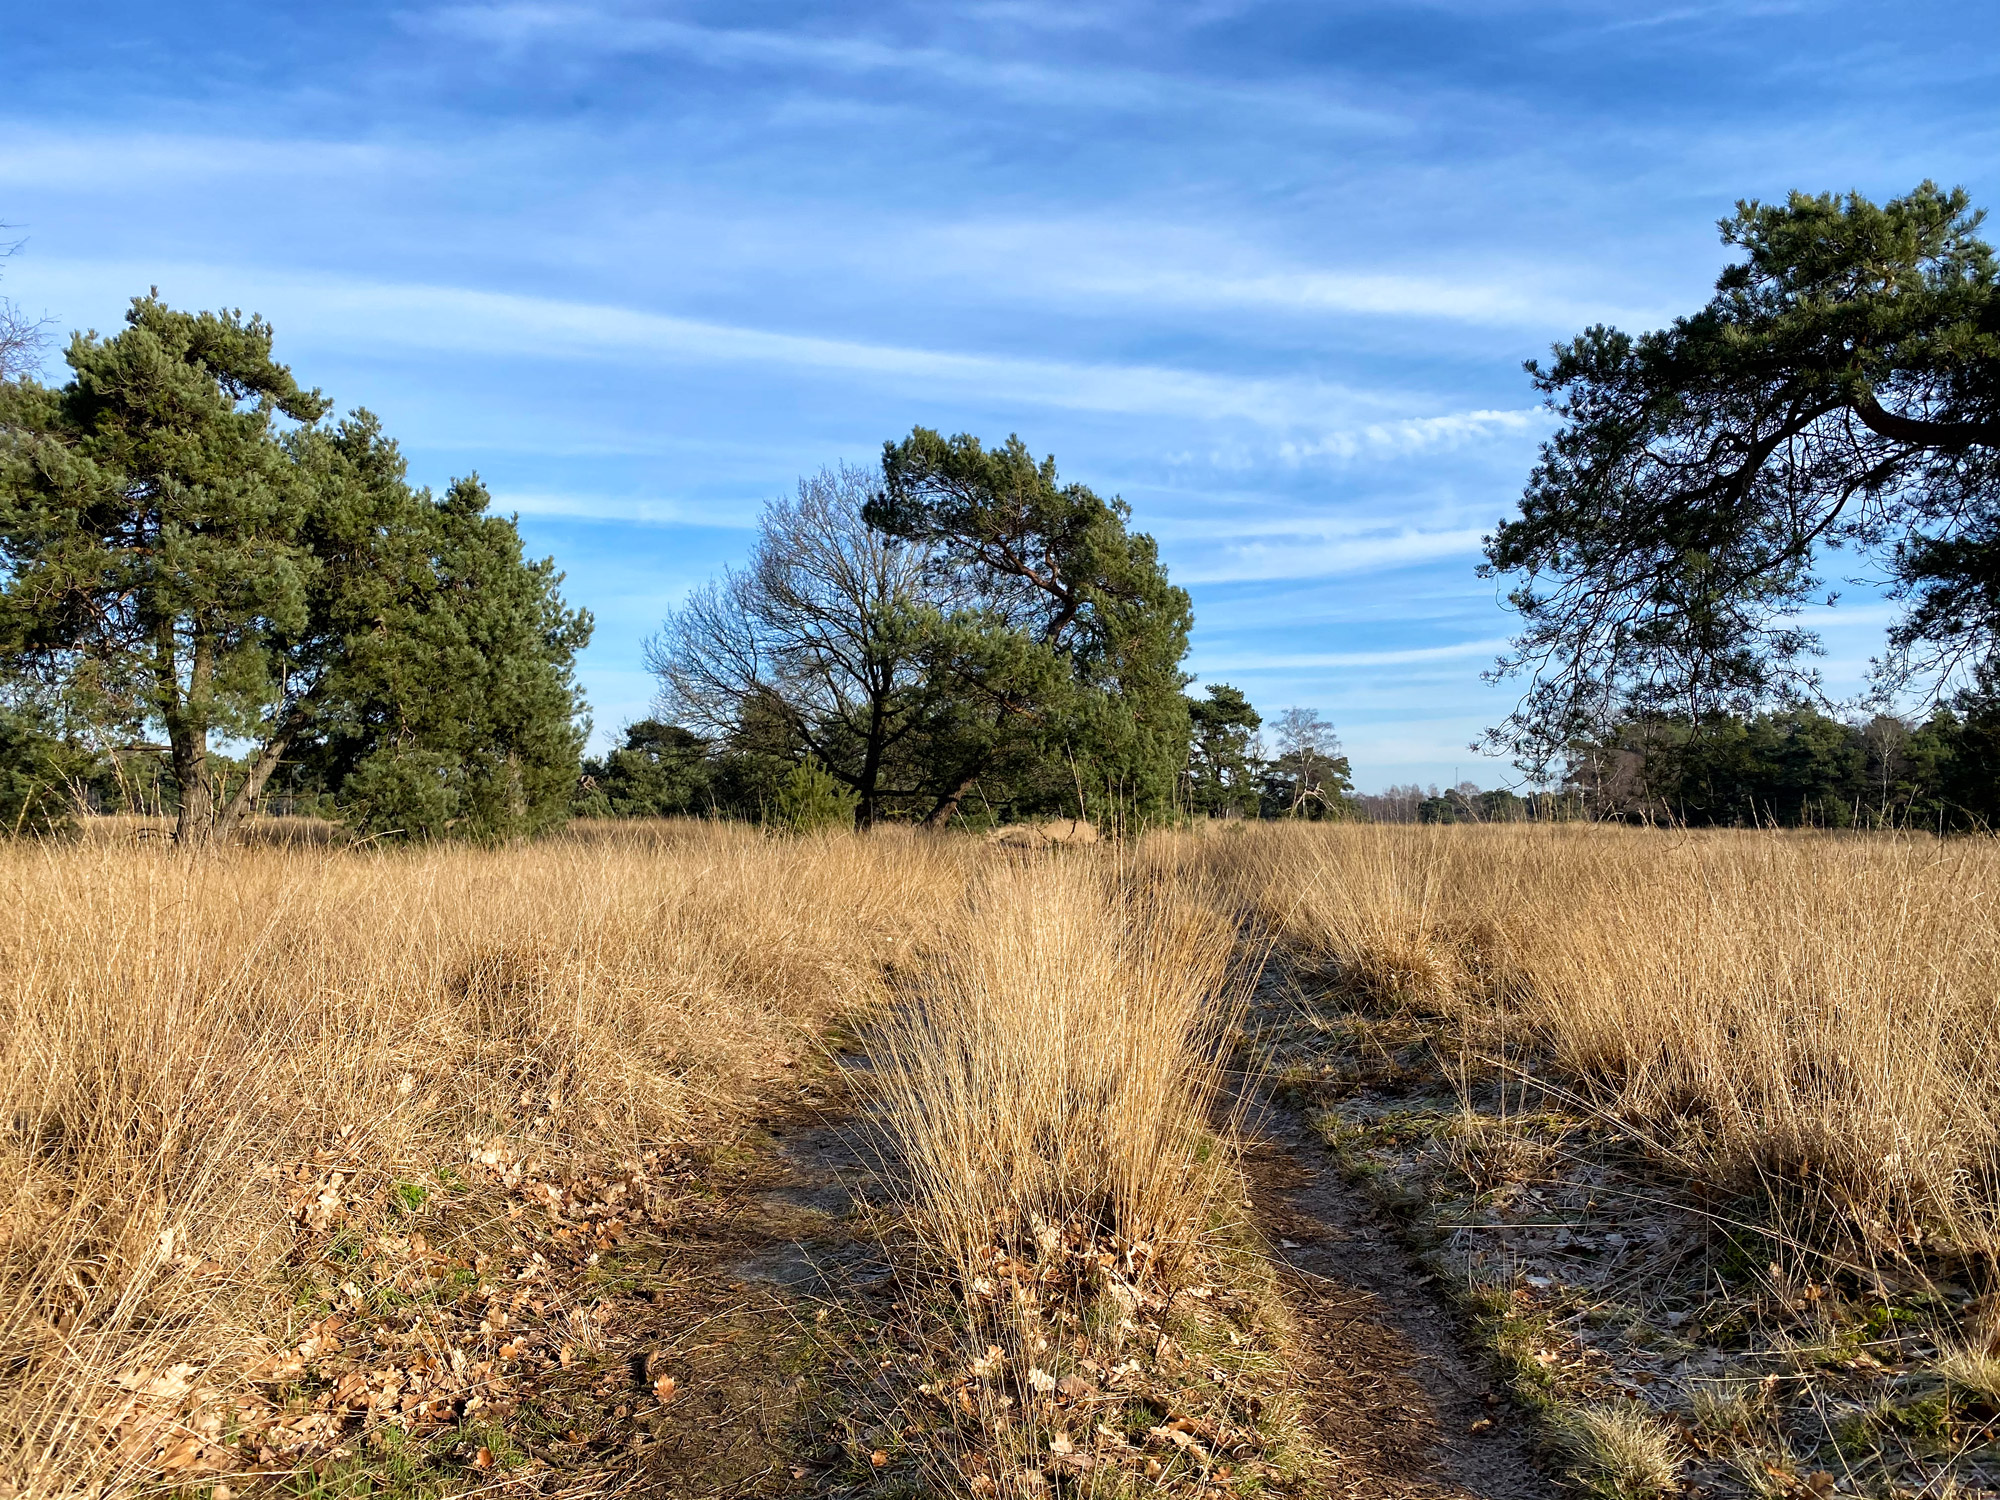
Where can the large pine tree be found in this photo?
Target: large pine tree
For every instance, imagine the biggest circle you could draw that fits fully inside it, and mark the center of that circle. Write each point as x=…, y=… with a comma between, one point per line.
x=1841, y=390
x=186, y=549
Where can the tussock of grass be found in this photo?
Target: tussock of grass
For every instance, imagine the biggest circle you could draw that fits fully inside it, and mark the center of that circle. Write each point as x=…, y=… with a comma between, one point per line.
x=1619, y=1451
x=1729, y=1407
x=1050, y=1079
x=1975, y=1371
x=1055, y=1064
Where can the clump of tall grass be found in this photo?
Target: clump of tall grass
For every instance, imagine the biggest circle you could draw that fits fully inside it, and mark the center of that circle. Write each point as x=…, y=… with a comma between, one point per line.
x=199, y=1055
x=1057, y=1060
x=1618, y=1451
x=1051, y=1078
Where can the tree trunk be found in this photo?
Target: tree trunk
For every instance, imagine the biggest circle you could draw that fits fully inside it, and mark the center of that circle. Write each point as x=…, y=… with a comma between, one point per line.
x=246, y=795
x=868, y=808
x=195, y=823
x=947, y=805
x=187, y=736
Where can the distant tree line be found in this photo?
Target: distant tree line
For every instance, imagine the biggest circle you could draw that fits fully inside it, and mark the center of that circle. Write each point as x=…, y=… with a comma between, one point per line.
x=665, y=770
x=1799, y=767
x=1467, y=803
x=1795, y=767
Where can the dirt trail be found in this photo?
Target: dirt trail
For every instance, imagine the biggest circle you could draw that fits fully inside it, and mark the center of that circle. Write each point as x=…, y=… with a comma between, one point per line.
x=725, y=1342
x=1392, y=1389
x=745, y=1315
x=1409, y=1412
x=754, y=1331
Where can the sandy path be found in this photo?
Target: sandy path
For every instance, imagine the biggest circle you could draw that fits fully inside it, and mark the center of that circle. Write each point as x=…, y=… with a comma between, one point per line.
x=1388, y=1384
x=1399, y=1399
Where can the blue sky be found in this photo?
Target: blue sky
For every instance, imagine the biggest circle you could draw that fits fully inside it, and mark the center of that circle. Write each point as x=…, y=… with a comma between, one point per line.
x=1266, y=270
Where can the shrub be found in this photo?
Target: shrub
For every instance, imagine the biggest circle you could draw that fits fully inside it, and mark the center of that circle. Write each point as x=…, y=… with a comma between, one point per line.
x=810, y=800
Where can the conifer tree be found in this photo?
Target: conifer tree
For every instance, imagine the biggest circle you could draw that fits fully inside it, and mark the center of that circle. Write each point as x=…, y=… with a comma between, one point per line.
x=186, y=549
x=1840, y=390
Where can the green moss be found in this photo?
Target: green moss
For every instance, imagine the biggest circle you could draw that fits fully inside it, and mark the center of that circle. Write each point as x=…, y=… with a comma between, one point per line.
x=408, y=1197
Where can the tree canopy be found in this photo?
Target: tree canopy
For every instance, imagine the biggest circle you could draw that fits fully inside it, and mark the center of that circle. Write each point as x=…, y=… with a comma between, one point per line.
x=962, y=620
x=1223, y=755
x=822, y=639
x=659, y=771
x=1309, y=778
x=186, y=547
x=1065, y=637
x=1841, y=390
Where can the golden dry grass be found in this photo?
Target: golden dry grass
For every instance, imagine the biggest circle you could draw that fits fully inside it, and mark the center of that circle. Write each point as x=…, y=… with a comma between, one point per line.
x=193, y=1052
x=1056, y=1063
x=1051, y=1078
x=1812, y=1014
x=196, y=1052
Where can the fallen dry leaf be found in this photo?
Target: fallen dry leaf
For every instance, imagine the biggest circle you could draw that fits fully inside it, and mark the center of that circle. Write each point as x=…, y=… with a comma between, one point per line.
x=168, y=1385
x=991, y=1363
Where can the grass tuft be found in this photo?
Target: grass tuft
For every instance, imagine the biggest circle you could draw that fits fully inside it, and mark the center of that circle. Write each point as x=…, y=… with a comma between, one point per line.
x=1618, y=1451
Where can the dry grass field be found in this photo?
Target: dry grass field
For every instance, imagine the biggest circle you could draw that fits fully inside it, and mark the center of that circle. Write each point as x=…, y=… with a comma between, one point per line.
x=202, y=1059
x=1705, y=1127
x=1676, y=1115
x=1817, y=1013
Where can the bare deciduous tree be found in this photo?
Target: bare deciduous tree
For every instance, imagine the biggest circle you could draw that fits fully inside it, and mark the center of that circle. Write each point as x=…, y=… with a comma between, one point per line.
x=824, y=628
x=1310, y=774
x=21, y=337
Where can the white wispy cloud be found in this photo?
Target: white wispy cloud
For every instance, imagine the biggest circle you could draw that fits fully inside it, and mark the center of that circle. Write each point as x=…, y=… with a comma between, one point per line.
x=580, y=27
x=74, y=161
x=1144, y=256
x=1415, y=434
x=1139, y=258
x=505, y=323
x=1308, y=419
x=1245, y=562
x=1263, y=661
x=1470, y=300
x=628, y=510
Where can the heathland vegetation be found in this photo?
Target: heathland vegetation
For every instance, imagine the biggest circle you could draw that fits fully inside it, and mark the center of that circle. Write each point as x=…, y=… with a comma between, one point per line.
x=387, y=1166
x=725, y=1115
